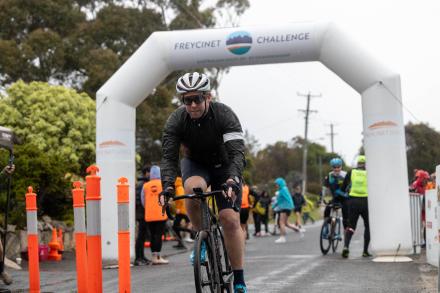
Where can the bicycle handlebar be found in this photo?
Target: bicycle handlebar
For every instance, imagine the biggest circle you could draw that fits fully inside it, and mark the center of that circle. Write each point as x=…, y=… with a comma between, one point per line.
x=198, y=194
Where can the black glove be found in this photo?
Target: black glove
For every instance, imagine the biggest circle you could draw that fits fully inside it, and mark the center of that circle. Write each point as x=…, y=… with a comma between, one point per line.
x=231, y=184
x=168, y=193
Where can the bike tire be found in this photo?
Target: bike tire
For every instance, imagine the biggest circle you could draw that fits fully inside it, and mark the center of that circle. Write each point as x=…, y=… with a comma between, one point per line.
x=225, y=268
x=204, y=272
x=335, y=241
x=325, y=244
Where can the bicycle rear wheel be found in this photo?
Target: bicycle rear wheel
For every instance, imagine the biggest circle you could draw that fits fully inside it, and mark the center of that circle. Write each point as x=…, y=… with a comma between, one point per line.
x=204, y=271
x=336, y=235
x=325, y=237
x=225, y=268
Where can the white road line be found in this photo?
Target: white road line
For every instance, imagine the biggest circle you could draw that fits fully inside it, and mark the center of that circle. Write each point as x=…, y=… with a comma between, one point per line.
x=283, y=277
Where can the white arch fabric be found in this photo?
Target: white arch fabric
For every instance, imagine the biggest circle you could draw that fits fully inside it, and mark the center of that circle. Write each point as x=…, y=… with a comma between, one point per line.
x=164, y=52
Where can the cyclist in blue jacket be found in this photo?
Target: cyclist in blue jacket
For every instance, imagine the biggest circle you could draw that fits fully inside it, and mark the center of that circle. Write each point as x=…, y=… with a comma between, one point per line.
x=333, y=182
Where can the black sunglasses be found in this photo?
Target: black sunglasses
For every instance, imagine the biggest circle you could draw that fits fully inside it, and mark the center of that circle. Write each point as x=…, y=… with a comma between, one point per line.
x=188, y=100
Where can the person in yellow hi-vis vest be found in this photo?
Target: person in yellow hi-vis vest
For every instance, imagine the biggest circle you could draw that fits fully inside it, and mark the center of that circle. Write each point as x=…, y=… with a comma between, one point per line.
x=153, y=214
x=355, y=183
x=181, y=215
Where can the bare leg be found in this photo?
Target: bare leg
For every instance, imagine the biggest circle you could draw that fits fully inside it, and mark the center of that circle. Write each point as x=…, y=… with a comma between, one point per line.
x=234, y=237
x=283, y=221
x=193, y=206
x=298, y=219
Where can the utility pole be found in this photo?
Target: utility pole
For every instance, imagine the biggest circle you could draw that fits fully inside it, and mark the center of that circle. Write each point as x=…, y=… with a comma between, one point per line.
x=332, y=134
x=305, y=147
x=320, y=168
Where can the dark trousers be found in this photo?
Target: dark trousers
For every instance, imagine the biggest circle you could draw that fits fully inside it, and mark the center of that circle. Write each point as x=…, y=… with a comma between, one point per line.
x=177, y=226
x=265, y=220
x=257, y=222
x=157, y=229
x=143, y=234
x=345, y=212
x=358, y=206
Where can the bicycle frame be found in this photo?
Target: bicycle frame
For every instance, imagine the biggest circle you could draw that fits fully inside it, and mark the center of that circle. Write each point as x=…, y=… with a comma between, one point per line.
x=211, y=225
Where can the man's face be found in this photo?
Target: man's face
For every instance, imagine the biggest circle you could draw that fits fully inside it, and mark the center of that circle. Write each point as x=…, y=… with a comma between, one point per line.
x=195, y=103
x=337, y=169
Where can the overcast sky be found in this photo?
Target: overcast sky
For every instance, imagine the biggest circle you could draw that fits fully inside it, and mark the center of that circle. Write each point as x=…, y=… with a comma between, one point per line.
x=404, y=35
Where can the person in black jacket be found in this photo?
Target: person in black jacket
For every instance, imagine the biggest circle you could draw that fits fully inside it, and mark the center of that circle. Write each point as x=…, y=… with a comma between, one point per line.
x=143, y=230
x=4, y=276
x=213, y=155
x=298, y=202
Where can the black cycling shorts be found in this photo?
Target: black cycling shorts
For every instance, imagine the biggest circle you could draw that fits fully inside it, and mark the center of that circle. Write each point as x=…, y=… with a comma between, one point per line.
x=297, y=209
x=244, y=215
x=286, y=211
x=214, y=177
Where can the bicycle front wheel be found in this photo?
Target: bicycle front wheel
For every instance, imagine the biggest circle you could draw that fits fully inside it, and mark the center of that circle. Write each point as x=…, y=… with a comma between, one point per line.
x=204, y=265
x=225, y=268
x=336, y=235
x=325, y=237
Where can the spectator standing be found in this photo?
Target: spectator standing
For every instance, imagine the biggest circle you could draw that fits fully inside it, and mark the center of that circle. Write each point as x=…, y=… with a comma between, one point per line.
x=143, y=230
x=153, y=214
x=298, y=202
x=264, y=202
x=180, y=228
x=244, y=210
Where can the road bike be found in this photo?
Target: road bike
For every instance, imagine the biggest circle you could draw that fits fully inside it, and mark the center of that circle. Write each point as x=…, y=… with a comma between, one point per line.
x=214, y=273
x=330, y=235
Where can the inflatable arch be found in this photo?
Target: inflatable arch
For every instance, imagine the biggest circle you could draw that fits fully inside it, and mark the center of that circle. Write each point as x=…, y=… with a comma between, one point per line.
x=164, y=52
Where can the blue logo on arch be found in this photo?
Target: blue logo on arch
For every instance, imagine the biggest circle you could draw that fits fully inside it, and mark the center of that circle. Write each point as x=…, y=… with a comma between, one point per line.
x=239, y=43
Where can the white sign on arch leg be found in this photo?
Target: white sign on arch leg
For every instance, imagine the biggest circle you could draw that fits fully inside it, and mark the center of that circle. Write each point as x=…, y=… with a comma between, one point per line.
x=164, y=52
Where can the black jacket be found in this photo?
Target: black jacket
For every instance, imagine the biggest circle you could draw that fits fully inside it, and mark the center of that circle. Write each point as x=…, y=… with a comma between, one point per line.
x=214, y=140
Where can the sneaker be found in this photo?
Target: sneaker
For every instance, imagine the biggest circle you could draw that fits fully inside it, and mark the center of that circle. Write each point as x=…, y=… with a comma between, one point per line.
x=188, y=239
x=6, y=278
x=160, y=261
x=366, y=254
x=302, y=230
x=345, y=252
x=179, y=245
x=146, y=260
x=282, y=239
x=202, y=254
x=240, y=288
x=141, y=262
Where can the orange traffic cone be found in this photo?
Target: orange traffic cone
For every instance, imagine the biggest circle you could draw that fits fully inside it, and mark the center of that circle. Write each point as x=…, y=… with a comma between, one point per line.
x=60, y=241
x=54, y=246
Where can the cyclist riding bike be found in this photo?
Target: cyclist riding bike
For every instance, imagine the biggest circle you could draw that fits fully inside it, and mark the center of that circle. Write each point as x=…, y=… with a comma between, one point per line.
x=213, y=155
x=333, y=181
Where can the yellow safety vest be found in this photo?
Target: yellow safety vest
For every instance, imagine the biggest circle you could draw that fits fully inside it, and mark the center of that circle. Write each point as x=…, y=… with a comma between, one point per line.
x=358, y=183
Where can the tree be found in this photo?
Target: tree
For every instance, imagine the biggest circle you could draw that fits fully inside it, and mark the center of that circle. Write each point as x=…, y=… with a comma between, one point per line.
x=56, y=120
x=284, y=159
x=57, y=128
x=422, y=147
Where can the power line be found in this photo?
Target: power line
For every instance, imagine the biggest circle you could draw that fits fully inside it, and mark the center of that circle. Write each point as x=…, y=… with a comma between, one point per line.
x=307, y=111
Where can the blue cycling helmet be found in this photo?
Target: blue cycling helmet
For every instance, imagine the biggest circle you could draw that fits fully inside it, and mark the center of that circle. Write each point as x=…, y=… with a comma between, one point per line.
x=336, y=162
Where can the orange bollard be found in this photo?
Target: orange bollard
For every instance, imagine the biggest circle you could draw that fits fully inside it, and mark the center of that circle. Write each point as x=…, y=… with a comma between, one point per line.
x=32, y=231
x=123, y=236
x=60, y=241
x=54, y=246
x=80, y=236
x=93, y=211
